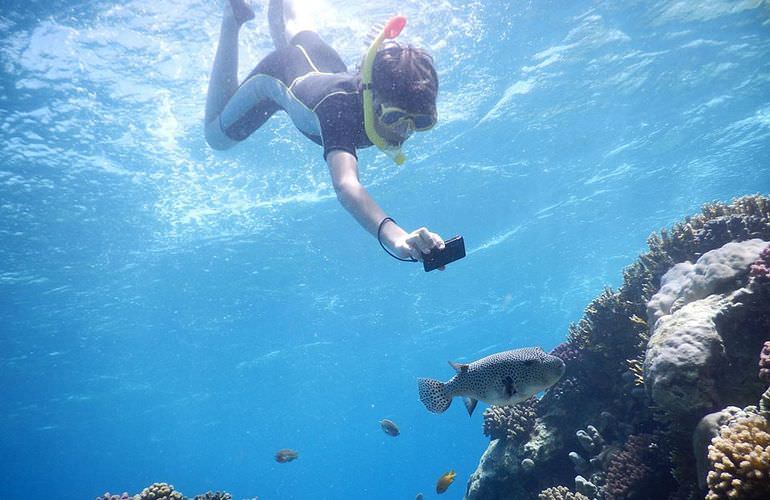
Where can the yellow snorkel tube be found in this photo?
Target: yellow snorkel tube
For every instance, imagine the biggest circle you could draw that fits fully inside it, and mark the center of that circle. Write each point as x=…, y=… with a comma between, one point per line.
x=391, y=30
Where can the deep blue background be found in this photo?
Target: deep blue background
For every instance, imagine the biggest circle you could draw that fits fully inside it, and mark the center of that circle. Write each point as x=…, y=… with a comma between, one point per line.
x=170, y=313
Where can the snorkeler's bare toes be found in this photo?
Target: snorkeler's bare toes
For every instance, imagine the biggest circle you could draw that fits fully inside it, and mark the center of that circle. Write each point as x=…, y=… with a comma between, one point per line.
x=241, y=11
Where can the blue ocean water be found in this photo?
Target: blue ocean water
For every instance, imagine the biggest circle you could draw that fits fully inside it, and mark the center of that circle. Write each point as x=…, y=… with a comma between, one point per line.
x=171, y=313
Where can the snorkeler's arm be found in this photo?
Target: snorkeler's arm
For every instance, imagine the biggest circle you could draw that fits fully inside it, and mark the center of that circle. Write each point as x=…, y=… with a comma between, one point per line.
x=343, y=168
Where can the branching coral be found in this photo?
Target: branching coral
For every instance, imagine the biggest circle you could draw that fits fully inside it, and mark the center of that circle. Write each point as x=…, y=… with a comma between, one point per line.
x=595, y=448
x=740, y=460
x=574, y=360
x=633, y=472
x=108, y=496
x=718, y=223
x=510, y=422
x=609, y=328
x=567, y=352
x=560, y=493
x=160, y=491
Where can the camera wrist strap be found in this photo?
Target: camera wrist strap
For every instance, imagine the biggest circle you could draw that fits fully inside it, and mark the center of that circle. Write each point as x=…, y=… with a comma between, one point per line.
x=379, y=234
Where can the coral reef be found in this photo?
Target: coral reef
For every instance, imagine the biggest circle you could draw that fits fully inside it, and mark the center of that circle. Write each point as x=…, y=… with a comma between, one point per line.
x=643, y=410
x=510, y=422
x=165, y=491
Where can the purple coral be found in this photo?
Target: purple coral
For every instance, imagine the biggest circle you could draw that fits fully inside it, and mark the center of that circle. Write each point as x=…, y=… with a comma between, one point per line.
x=760, y=269
x=567, y=352
x=764, y=362
x=635, y=471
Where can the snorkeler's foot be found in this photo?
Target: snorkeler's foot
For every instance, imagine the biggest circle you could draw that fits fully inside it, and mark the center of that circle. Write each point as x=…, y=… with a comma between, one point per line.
x=241, y=11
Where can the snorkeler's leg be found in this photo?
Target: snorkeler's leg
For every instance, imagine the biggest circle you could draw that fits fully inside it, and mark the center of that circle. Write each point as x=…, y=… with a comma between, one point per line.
x=224, y=73
x=287, y=18
x=241, y=11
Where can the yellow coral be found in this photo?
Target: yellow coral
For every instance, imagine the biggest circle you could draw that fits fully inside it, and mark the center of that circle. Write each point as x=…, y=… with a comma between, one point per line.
x=740, y=460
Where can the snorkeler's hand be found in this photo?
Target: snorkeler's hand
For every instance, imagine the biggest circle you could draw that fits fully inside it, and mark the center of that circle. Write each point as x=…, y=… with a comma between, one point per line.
x=419, y=242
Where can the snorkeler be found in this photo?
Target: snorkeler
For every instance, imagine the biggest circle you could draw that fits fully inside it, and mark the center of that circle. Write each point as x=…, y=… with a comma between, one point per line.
x=393, y=96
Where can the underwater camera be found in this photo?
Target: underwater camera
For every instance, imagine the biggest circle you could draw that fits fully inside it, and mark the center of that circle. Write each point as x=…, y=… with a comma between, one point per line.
x=454, y=249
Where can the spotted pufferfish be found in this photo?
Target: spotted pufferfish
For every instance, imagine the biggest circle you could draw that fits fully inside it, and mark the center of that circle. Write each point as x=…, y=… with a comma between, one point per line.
x=504, y=378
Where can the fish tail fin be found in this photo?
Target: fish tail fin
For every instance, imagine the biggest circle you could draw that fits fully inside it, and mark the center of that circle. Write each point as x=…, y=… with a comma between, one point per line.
x=433, y=395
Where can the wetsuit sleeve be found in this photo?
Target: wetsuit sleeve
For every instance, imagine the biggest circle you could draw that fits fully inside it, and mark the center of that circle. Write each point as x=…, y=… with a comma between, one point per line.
x=340, y=125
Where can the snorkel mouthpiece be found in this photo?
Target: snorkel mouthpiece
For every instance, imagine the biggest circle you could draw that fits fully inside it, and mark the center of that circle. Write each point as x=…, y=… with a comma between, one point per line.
x=391, y=30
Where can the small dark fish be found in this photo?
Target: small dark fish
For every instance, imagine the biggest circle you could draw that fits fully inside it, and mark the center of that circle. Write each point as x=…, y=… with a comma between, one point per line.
x=389, y=427
x=418, y=497
x=444, y=481
x=285, y=455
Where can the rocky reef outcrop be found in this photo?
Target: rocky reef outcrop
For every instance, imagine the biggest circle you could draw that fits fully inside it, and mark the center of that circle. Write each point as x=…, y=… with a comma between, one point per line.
x=662, y=375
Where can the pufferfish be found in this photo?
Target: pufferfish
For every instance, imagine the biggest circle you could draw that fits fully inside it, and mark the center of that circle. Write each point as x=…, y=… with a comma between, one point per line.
x=504, y=378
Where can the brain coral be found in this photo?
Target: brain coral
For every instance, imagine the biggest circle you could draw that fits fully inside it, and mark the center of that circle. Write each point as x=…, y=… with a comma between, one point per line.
x=686, y=282
x=686, y=352
x=740, y=461
x=683, y=356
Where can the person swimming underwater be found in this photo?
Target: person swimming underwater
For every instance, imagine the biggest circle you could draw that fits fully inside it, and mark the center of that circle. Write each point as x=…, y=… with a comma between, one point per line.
x=392, y=96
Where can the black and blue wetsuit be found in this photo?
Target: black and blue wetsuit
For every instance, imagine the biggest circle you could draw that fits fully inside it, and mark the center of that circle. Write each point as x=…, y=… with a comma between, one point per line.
x=310, y=82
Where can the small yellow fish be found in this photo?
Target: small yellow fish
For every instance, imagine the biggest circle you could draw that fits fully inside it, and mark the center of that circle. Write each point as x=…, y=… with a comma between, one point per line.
x=285, y=455
x=444, y=481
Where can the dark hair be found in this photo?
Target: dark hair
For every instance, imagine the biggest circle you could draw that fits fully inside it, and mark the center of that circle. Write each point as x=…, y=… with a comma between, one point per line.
x=405, y=77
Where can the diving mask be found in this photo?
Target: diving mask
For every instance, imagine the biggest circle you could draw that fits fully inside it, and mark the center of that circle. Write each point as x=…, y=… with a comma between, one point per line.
x=393, y=117
x=390, y=31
